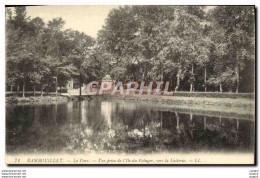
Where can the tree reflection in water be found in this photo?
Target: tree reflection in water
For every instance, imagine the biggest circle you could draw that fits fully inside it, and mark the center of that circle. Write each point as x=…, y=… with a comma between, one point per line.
x=120, y=126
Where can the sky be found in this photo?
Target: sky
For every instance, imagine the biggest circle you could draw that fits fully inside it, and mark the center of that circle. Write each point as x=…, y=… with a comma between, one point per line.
x=87, y=19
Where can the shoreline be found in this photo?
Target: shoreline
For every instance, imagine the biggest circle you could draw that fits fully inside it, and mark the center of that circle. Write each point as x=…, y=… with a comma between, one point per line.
x=35, y=99
x=181, y=100
x=170, y=100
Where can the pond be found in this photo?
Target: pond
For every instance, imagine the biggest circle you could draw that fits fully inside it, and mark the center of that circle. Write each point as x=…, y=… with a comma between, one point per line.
x=118, y=126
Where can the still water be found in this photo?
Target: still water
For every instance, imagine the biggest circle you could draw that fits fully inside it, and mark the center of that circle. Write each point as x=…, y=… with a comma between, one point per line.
x=112, y=126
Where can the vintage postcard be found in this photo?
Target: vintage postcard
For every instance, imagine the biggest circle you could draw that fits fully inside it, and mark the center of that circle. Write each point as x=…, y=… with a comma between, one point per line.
x=146, y=85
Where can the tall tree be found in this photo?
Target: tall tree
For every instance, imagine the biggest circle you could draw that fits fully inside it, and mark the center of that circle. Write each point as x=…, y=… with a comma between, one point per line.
x=239, y=24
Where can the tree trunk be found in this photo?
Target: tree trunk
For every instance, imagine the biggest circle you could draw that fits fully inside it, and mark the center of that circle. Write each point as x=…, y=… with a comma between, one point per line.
x=178, y=79
x=80, y=83
x=23, y=88
x=17, y=92
x=237, y=76
x=191, y=79
x=80, y=90
x=144, y=75
x=205, y=78
x=191, y=87
x=11, y=88
x=47, y=89
x=33, y=91
x=220, y=87
x=56, y=86
x=41, y=91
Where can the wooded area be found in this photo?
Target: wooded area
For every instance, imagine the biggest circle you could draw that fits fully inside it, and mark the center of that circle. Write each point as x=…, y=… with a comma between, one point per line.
x=195, y=48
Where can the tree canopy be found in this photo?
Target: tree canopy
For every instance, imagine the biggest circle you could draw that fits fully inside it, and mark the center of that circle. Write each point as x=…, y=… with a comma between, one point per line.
x=194, y=48
x=38, y=54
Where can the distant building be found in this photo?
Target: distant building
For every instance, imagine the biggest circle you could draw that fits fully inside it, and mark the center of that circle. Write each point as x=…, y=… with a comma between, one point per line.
x=108, y=79
x=73, y=86
x=69, y=85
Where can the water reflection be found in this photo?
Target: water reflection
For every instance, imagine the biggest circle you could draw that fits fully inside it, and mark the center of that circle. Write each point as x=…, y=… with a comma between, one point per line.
x=106, y=112
x=119, y=126
x=69, y=112
x=83, y=113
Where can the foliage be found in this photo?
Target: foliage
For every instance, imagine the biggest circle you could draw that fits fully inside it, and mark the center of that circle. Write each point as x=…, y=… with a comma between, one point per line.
x=38, y=54
x=183, y=44
x=190, y=46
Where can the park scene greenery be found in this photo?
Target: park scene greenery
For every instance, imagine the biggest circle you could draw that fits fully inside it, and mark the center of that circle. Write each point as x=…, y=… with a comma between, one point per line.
x=196, y=48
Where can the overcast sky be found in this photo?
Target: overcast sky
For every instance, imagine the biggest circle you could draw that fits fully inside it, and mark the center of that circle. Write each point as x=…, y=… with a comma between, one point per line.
x=87, y=19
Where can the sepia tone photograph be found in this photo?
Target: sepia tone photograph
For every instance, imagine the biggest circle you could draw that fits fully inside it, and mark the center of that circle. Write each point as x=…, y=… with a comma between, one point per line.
x=130, y=84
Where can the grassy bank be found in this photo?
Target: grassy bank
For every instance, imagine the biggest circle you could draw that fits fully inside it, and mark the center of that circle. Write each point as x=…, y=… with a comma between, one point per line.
x=246, y=102
x=215, y=95
x=45, y=99
x=184, y=100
